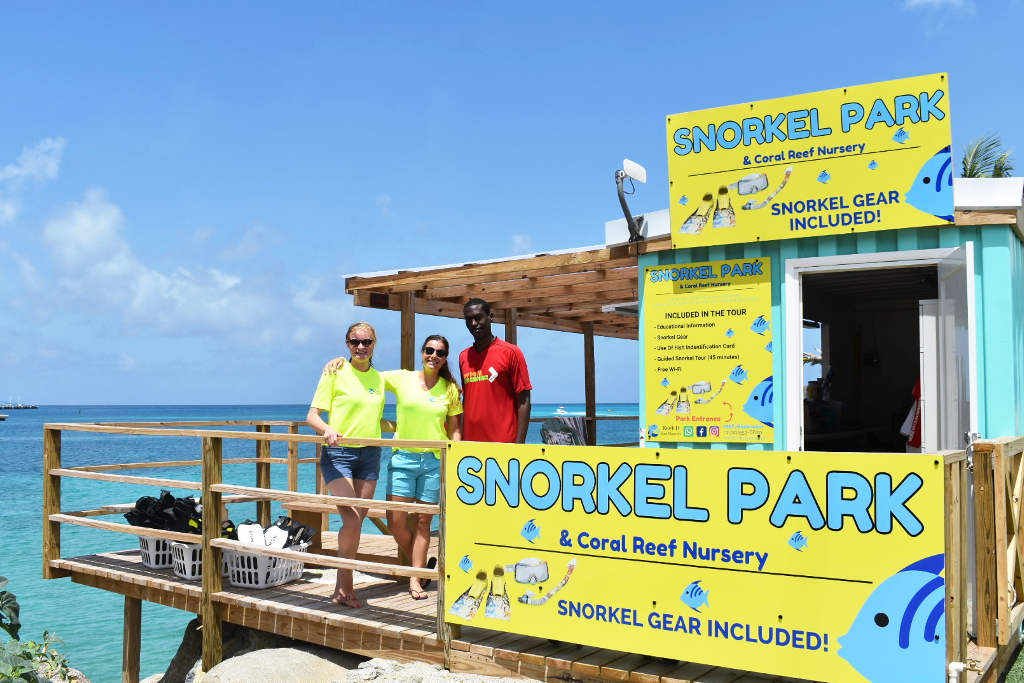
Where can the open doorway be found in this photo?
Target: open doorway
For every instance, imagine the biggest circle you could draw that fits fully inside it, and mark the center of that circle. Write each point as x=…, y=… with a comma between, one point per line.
x=861, y=353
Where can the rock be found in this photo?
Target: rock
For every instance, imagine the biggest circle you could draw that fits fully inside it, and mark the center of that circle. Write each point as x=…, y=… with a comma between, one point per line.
x=274, y=665
x=418, y=672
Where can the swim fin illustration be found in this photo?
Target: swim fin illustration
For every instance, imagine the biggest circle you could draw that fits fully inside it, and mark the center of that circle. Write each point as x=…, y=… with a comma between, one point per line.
x=498, y=606
x=725, y=217
x=699, y=218
x=467, y=604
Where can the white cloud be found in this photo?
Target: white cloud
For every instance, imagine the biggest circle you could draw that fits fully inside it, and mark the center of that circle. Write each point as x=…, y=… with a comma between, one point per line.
x=521, y=244
x=8, y=209
x=96, y=264
x=315, y=300
x=126, y=363
x=253, y=241
x=27, y=270
x=383, y=202
x=40, y=162
x=302, y=335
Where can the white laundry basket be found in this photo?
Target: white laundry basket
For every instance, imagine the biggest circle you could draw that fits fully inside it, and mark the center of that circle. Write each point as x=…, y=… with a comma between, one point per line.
x=156, y=552
x=188, y=560
x=247, y=570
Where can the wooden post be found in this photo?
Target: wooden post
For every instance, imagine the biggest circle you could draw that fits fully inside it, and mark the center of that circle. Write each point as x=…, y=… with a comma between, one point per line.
x=132, y=640
x=1004, y=578
x=956, y=629
x=588, y=382
x=263, y=476
x=51, y=503
x=293, y=459
x=444, y=630
x=409, y=330
x=987, y=582
x=213, y=646
x=511, y=329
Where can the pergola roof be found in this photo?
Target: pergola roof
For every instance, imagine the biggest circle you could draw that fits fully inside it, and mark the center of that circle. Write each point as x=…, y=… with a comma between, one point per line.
x=569, y=291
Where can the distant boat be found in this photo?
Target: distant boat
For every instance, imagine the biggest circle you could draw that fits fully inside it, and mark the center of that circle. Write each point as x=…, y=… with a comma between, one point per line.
x=2, y=417
x=561, y=411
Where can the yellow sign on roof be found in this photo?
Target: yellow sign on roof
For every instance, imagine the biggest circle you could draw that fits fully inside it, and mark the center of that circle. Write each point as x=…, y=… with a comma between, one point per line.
x=849, y=160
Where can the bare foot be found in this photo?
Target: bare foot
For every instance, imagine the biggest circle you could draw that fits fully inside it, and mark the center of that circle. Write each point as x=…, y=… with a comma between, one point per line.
x=346, y=600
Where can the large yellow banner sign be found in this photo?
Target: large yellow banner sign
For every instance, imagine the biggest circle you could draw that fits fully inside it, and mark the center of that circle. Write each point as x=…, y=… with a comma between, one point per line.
x=826, y=566
x=868, y=157
x=708, y=352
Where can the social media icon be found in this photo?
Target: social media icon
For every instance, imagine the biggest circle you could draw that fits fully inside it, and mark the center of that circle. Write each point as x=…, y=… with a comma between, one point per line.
x=715, y=431
x=687, y=431
x=702, y=431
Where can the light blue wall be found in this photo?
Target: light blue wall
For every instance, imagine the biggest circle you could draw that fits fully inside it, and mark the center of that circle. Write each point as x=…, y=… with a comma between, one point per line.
x=999, y=306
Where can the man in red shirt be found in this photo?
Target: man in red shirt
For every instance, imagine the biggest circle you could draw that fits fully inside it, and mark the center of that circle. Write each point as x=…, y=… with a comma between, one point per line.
x=495, y=382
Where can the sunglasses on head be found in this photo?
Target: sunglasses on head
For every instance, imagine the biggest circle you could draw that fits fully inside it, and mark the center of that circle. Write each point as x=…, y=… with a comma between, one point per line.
x=362, y=342
x=430, y=351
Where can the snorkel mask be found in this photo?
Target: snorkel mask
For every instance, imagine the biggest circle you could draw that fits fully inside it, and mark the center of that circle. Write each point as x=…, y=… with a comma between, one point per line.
x=529, y=570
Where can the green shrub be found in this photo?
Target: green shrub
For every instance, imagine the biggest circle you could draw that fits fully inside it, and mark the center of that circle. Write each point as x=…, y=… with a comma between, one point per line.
x=27, y=660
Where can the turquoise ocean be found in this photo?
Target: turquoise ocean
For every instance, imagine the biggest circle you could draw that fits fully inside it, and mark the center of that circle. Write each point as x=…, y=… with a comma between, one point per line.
x=89, y=620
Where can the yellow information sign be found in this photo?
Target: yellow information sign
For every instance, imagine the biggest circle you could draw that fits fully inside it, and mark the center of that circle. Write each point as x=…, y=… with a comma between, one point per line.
x=856, y=159
x=825, y=566
x=708, y=352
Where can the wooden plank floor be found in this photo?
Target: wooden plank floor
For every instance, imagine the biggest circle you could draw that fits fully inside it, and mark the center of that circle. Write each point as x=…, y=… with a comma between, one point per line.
x=391, y=625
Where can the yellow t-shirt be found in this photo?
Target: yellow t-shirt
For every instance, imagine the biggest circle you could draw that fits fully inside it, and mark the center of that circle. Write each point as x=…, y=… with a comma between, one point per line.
x=354, y=401
x=422, y=413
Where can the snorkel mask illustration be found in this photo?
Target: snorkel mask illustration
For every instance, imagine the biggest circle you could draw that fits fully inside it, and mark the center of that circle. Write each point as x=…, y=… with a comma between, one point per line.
x=529, y=570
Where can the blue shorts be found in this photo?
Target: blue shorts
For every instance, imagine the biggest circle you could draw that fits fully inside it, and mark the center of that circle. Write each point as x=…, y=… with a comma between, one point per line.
x=352, y=462
x=415, y=475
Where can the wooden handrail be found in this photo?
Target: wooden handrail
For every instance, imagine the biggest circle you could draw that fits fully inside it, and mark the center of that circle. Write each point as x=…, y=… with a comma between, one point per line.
x=296, y=497
x=126, y=528
x=127, y=479
x=327, y=560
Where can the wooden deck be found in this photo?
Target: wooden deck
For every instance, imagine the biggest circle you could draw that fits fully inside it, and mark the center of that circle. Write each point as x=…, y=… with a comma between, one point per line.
x=391, y=625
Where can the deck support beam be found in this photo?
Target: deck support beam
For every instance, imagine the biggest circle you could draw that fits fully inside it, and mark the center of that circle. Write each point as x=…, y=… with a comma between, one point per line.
x=51, y=503
x=408, y=331
x=212, y=612
x=131, y=647
x=589, y=387
x=512, y=325
x=293, y=461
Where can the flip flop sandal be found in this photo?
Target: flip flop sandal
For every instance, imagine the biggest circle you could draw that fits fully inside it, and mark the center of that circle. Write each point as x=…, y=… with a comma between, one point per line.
x=467, y=604
x=725, y=217
x=699, y=218
x=425, y=583
x=498, y=606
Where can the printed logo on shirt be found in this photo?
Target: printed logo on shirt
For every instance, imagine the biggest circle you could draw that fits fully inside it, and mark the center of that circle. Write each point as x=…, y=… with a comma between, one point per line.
x=469, y=378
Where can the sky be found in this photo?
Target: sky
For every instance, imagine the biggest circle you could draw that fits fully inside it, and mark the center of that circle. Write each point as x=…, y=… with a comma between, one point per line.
x=184, y=186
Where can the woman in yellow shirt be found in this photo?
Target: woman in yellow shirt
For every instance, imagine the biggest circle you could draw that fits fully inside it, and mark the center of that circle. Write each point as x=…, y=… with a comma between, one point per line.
x=429, y=405
x=353, y=398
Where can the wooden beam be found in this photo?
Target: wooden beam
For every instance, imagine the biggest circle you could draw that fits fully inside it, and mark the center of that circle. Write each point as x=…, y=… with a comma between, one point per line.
x=131, y=643
x=293, y=461
x=263, y=476
x=492, y=287
x=986, y=217
x=589, y=383
x=511, y=333
x=408, y=304
x=954, y=537
x=212, y=612
x=988, y=583
x=51, y=502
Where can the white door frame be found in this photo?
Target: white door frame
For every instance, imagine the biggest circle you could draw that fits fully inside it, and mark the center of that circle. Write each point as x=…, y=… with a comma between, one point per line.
x=793, y=292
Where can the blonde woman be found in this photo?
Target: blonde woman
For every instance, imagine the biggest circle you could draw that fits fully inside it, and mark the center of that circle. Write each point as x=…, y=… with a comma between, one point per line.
x=353, y=398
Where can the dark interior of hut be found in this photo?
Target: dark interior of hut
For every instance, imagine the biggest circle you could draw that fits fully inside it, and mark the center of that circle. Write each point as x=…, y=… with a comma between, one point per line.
x=862, y=332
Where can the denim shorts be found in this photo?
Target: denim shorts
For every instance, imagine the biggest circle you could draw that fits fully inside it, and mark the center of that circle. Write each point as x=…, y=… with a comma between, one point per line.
x=352, y=462
x=415, y=475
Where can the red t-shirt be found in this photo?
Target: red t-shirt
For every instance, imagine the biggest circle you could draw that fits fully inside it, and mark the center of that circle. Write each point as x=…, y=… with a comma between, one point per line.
x=490, y=382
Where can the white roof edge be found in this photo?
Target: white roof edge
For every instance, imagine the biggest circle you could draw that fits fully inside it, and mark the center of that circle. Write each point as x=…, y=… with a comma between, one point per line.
x=420, y=269
x=975, y=194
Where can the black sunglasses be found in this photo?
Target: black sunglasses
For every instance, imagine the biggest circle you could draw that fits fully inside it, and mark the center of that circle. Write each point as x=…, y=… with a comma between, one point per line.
x=430, y=351
x=362, y=342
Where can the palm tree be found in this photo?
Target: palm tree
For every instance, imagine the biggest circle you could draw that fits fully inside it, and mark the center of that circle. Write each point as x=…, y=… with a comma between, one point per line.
x=985, y=157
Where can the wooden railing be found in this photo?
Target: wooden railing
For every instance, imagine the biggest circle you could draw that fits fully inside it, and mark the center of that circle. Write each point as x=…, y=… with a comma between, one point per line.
x=215, y=494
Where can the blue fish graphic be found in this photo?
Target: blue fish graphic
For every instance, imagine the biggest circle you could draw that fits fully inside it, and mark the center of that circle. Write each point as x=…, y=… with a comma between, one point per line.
x=652, y=431
x=901, y=136
x=664, y=382
x=900, y=632
x=872, y=164
x=798, y=541
x=768, y=347
x=729, y=332
x=932, y=191
x=684, y=200
x=738, y=374
x=760, y=325
x=530, y=531
x=465, y=564
x=694, y=596
x=761, y=404
x=824, y=177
